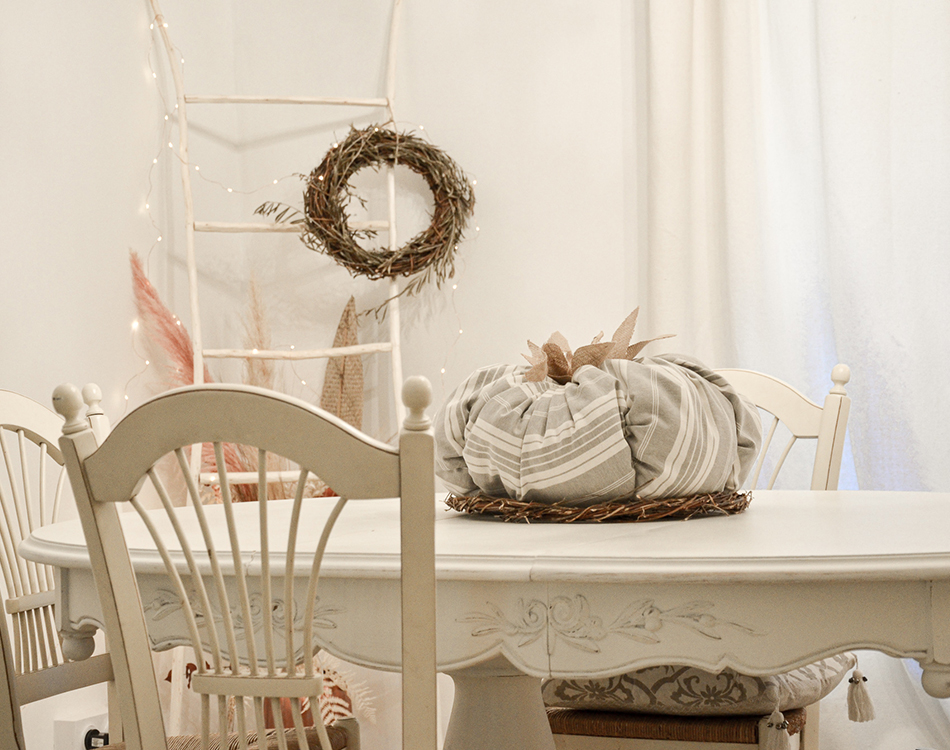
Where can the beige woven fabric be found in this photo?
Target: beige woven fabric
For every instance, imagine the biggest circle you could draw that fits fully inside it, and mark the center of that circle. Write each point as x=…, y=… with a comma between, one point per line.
x=343, y=382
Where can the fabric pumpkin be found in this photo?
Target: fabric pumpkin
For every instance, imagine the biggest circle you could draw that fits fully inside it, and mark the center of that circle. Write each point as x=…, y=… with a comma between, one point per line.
x=656, y=427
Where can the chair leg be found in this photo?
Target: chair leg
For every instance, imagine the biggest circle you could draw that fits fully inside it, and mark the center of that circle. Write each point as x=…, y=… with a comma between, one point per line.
x=351, y=728
x=115, y=718
x=809, y=739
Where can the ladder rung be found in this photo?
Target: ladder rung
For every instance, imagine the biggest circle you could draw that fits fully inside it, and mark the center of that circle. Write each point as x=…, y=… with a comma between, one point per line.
x=241, y=99
x=248, y=477
x=281, y=226
x=338, y=351
x=29, y=601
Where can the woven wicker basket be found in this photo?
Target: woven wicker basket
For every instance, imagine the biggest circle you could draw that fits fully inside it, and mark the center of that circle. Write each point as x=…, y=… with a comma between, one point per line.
x=625, y=509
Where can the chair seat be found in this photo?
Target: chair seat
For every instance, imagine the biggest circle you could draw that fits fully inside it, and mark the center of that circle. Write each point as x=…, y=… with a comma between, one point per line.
x=193, y=741
x=735, y=729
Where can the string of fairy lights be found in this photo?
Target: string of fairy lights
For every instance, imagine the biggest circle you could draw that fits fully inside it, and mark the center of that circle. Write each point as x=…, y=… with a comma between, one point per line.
x=166, y=148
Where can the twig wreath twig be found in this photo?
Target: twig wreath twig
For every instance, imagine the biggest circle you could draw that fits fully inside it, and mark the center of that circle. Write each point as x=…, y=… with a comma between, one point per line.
x=430, y=254
x=634, y=508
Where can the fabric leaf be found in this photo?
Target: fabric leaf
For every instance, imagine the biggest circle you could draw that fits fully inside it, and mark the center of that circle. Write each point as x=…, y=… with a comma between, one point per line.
x=592, y=354
x=634, y=350
x=558, y=366
x=539, y=363
x=536, y=354
x=557, y=338
x=623, y=334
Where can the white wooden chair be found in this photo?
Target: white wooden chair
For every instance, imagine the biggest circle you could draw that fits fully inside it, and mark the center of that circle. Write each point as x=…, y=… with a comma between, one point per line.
x=10, y=722
x=275, y=658
x=804, y=420
x=32, y=479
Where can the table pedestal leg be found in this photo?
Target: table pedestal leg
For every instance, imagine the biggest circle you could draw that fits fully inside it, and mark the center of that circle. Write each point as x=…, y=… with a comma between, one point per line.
x=498, y=713
x=936, y=679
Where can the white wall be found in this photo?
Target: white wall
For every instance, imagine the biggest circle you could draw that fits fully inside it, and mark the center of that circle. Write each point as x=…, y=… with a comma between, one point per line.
x=78, y=130
x=77, y=133
x=529, y=106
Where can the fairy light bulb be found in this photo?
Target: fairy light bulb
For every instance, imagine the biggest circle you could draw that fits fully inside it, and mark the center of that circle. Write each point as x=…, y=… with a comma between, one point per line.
x=230, y=190
x=135, y=324
x=455, y=286
x=159, y=238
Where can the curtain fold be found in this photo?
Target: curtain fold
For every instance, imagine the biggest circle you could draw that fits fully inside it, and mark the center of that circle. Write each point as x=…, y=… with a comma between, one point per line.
x=791, y=210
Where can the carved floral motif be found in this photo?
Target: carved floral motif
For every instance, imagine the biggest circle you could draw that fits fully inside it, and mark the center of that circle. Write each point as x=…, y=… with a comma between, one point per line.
x=569, y=619
x=165, y=603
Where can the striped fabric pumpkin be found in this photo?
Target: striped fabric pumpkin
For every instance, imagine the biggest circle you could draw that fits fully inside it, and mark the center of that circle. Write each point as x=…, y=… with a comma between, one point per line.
x=657, y=427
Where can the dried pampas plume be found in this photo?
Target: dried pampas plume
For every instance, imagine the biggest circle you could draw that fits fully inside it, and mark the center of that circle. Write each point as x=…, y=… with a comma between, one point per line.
x=168, y=342
x=258, y=372
x=166, y=338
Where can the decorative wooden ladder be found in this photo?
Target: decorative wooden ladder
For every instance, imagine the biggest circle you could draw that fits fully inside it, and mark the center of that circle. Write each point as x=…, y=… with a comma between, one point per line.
x=192, y=227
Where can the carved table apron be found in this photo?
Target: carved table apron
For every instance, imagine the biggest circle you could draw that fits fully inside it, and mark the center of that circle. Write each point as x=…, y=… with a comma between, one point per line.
x=798, y=576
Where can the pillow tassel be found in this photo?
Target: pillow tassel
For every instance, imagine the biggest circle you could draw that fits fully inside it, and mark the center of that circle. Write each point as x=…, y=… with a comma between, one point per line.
x=860, y=707
x=773, y=732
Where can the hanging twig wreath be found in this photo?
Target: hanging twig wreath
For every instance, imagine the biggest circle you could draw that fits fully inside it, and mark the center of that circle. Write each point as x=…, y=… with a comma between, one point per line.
x=326, y=223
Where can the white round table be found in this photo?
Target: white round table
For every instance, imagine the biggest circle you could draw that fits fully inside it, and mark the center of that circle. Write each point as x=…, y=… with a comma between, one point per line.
x=798, y=576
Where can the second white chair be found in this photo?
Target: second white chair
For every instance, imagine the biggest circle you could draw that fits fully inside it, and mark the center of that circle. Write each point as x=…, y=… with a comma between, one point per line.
x=578, y=729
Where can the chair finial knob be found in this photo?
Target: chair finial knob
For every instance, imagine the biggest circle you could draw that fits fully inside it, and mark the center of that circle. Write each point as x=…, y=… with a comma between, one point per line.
x=417, y=395
x=840, y=375
x=67, y=401
x=92, y=395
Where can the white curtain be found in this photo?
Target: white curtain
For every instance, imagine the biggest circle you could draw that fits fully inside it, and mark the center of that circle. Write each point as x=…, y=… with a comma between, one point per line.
x=791, y=210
